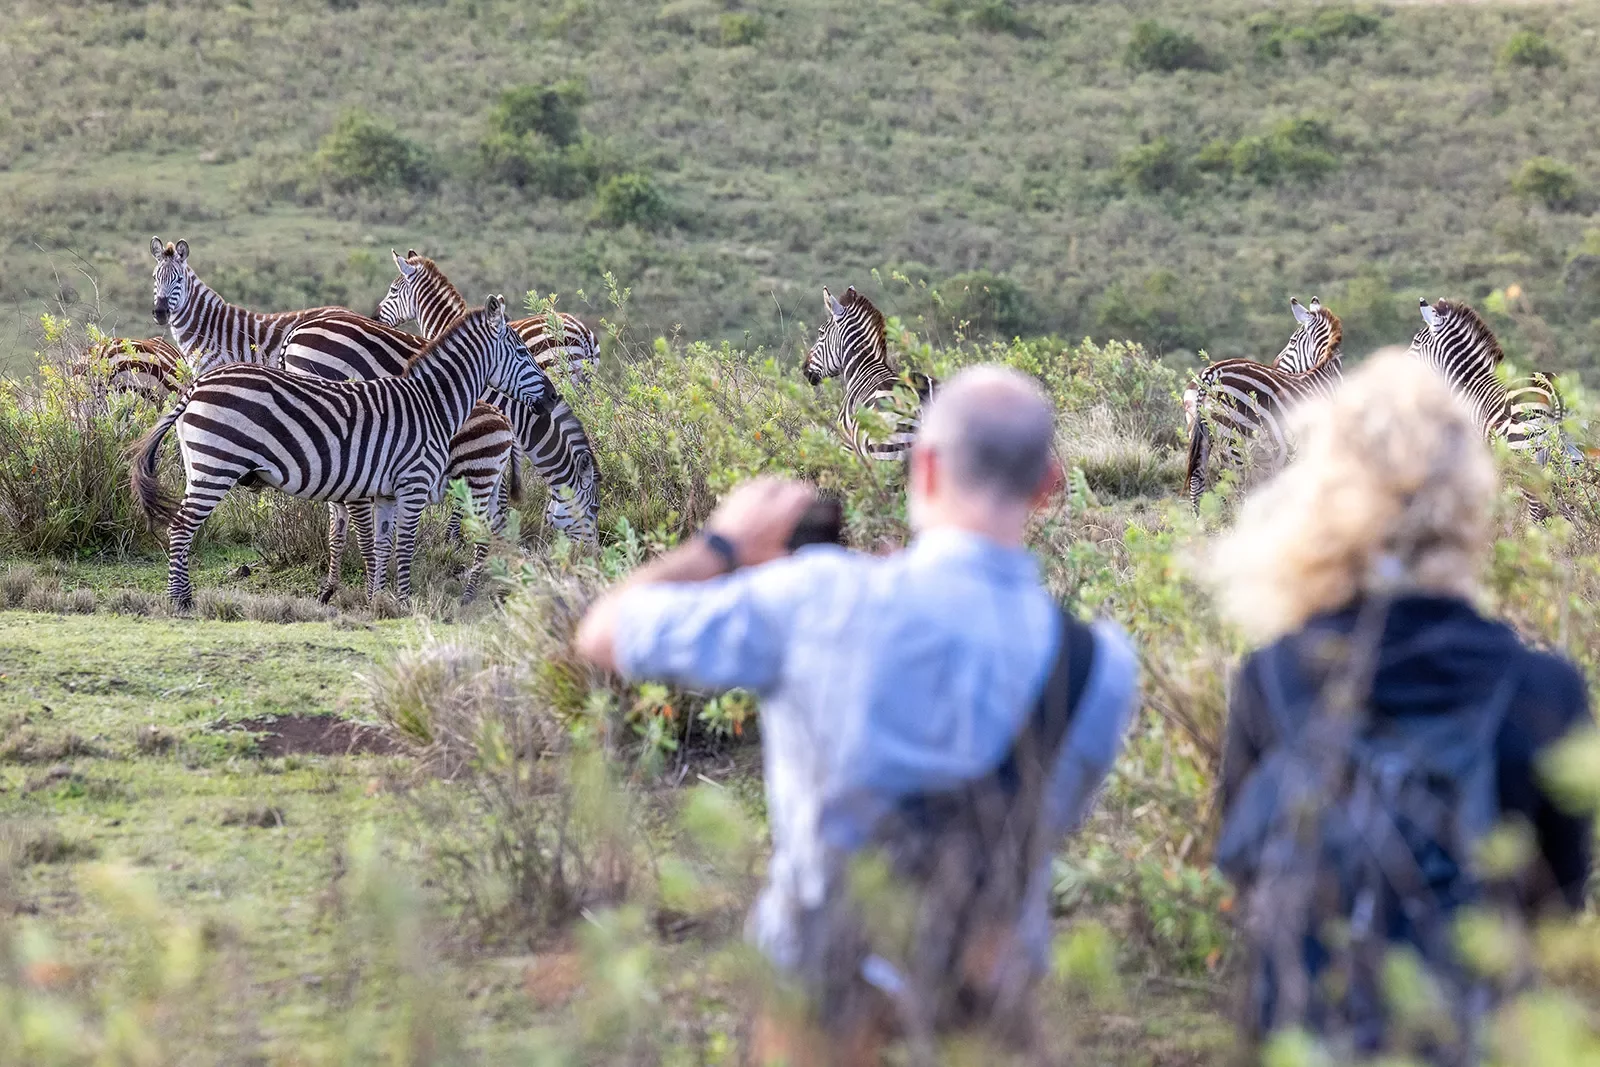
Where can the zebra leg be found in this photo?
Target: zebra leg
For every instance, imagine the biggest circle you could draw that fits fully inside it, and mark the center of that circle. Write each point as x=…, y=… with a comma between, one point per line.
x=486, y=496
x=409, y=512
x=383, y=519
x=361, y=517
x=200, y=499
x=338, y=534
x=1199, y=457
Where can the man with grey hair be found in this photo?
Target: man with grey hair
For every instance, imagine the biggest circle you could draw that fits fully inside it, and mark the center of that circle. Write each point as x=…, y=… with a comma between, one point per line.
x=890, y=684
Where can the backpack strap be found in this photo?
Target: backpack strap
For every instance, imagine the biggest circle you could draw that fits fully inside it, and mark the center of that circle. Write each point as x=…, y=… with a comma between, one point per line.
x=1041, y=736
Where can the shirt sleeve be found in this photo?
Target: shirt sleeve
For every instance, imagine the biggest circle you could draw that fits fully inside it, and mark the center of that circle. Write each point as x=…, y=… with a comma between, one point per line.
x=730, y=632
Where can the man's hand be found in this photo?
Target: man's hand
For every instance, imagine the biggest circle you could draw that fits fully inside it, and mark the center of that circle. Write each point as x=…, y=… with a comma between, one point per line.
x=759, y=517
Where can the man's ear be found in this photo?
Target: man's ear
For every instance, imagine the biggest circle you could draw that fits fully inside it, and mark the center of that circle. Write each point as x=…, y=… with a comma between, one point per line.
x=1054, y=480
x=924, y=476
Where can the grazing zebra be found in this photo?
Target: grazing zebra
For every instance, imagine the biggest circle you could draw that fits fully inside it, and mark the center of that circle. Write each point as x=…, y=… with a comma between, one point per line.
x=1457, y=343
x=550, y=434
x=379, y=447
x=342, y=345
x=851, y=342
x=1239, y=405
x=422, y=292
x=148, y=367
x=208, y=329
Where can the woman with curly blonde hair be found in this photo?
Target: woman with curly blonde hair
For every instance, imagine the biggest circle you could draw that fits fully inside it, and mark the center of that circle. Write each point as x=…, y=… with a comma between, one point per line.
x=1359, y=563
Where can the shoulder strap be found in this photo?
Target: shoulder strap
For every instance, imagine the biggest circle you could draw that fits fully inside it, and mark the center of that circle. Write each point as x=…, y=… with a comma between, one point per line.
x=1041, y=736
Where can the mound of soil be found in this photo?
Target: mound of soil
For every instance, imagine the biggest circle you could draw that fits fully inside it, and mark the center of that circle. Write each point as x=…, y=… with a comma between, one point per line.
x=316, y=735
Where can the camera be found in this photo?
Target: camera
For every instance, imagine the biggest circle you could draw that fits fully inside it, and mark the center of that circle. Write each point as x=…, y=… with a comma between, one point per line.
x=822, y=524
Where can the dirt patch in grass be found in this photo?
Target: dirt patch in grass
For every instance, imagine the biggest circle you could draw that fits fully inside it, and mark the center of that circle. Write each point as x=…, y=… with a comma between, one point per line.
x=317, y=735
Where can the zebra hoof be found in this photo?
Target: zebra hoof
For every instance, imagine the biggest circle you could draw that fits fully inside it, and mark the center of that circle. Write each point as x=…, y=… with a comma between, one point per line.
x=325, y=594
x=184, y=606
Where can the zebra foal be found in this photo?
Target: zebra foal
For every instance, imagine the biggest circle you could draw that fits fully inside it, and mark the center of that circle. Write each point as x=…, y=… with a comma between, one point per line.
x=851, y=342
x=149, y=367
x=1239, y=406
x=550, y=434
x=379, y=447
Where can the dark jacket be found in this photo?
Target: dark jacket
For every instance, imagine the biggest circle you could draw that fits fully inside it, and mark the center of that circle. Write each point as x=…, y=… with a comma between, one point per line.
x=1437, y=656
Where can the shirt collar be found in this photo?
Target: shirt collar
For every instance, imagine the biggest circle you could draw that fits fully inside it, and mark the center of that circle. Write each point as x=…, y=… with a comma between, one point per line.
x=948, y=544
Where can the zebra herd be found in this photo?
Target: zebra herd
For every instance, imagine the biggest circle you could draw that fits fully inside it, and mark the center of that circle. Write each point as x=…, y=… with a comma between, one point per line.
x=1238, y=407
x=327, y=404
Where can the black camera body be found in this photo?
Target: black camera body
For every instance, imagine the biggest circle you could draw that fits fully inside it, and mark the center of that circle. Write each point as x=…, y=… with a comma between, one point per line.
x=822, y=524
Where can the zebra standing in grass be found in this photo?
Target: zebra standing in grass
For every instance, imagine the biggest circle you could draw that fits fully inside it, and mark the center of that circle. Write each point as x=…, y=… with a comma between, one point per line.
x=379, y=447
x=851, y=343
x=1457, y=343
x=148, y=367
x=1239, y=405
x=550, y=434
x=206, y=328
x=216, y=332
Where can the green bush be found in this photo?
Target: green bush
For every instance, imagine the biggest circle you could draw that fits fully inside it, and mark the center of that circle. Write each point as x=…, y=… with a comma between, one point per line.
x=988, y=303
x=549, y=112
x=1000, y=16
x=737, y=28
x=631, y=198
x=1549, y=181
x=1161, y=48
x=1153, y=168
x=364, y=153
x=1161, y=312
x=530, y=162
x=1295, y=148
x=1318, y=38
x=1529, y=48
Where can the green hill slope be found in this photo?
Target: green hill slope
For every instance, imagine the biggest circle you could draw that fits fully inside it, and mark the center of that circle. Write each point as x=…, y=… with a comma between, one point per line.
x=1367, y=156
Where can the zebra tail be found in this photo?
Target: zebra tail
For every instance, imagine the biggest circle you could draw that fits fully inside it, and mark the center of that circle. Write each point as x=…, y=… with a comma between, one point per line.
x=1197, y=453
x=514, y=476
x=158, y=507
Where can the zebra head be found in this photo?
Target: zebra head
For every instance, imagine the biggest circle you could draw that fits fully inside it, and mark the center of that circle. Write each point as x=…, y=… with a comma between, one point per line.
x=1317, y=338
x=1456, y=341
x=399, y=304
x=173, y=280
x=852, y=330
x=512, y=369
x=574, y=507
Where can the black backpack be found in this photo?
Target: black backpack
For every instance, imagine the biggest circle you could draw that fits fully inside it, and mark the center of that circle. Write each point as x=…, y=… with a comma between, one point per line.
x=965, y=858
x=1354, y=836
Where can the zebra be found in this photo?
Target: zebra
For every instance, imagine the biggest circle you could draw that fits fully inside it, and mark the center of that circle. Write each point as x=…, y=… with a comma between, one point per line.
x=379, y=447
x=851, y=342
x=1527, y=415
x=339, y=346
x=148, y=367
x=551, y=436
x=1238, y=402
x=422, y=292
x=206, y=328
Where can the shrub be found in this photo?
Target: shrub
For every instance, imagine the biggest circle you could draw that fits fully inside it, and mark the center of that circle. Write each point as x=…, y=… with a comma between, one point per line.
x=1317, y=38
x=1549, y=181
x=1295, y=148
x=1161, y=48
x=1000, y=16
x=364, y=153
x=1161, y=312
x=737, y=28
x=988, y=302
x=1153, y=168
x=1529, y=48
x=546, y=111
x=631, y=198
x=530, y=162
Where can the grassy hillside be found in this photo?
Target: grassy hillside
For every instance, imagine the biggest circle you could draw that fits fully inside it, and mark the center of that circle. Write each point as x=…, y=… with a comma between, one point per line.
x=1365, y=155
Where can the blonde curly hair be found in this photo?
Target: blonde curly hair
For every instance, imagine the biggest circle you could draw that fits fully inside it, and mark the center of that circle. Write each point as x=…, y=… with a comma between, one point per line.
x=1391, y=483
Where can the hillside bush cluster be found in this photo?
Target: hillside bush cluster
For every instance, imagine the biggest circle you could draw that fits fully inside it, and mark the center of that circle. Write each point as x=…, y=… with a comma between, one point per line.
x=1301, y=149
x=1530, y=48
x=1316, y=37
x=1156, y=47
x=363, y=153
x=1547, y=181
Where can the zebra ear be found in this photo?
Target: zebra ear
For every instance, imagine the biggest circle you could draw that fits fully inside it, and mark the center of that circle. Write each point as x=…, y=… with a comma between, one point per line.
x=1429, y=315
x=1316, y=305
x=1301, y=315
x=833, y=306
x=156, y=247
x=406, y=268
x=496, y=307
x=182, y=250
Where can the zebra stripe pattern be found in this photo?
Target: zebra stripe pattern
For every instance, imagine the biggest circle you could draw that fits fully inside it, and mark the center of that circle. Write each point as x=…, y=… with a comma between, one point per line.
x=551, y=436
x=851, y=343
x=342, y=345
x=422, y=292
x=206, y=328
x=1239, y=405
x=147, y=367
x=378, y=446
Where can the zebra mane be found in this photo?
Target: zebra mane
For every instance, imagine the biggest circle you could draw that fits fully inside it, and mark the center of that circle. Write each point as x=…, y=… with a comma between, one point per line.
x=854, y=301
x=1330, y=348
x=431, y=346
x=1475, y=322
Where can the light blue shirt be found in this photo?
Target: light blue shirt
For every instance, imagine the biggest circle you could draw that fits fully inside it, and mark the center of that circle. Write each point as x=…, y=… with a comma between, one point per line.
x=880, y=676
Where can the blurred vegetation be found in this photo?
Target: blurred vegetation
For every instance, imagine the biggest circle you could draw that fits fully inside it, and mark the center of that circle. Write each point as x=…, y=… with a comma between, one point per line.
x=807, y=143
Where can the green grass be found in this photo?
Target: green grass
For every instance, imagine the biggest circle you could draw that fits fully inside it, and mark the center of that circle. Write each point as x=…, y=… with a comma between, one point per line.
x=840, y=138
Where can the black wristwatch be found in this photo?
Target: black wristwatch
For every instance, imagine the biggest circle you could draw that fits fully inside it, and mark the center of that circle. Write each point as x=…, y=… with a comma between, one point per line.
x=723, y=548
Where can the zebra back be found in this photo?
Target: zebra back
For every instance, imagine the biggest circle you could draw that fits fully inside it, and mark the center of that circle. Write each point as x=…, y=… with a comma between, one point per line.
x=149, y=367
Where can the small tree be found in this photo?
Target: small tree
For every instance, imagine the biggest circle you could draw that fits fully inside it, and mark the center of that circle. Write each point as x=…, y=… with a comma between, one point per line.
x=1154, y=167
x=632, y=198
x=363, y=152
x=1158, y=47
x=1549, y=181
x=1529, y=48
x=551, y=111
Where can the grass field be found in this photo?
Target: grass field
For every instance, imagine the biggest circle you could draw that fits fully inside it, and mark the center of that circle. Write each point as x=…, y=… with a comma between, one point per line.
x=811, y=142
